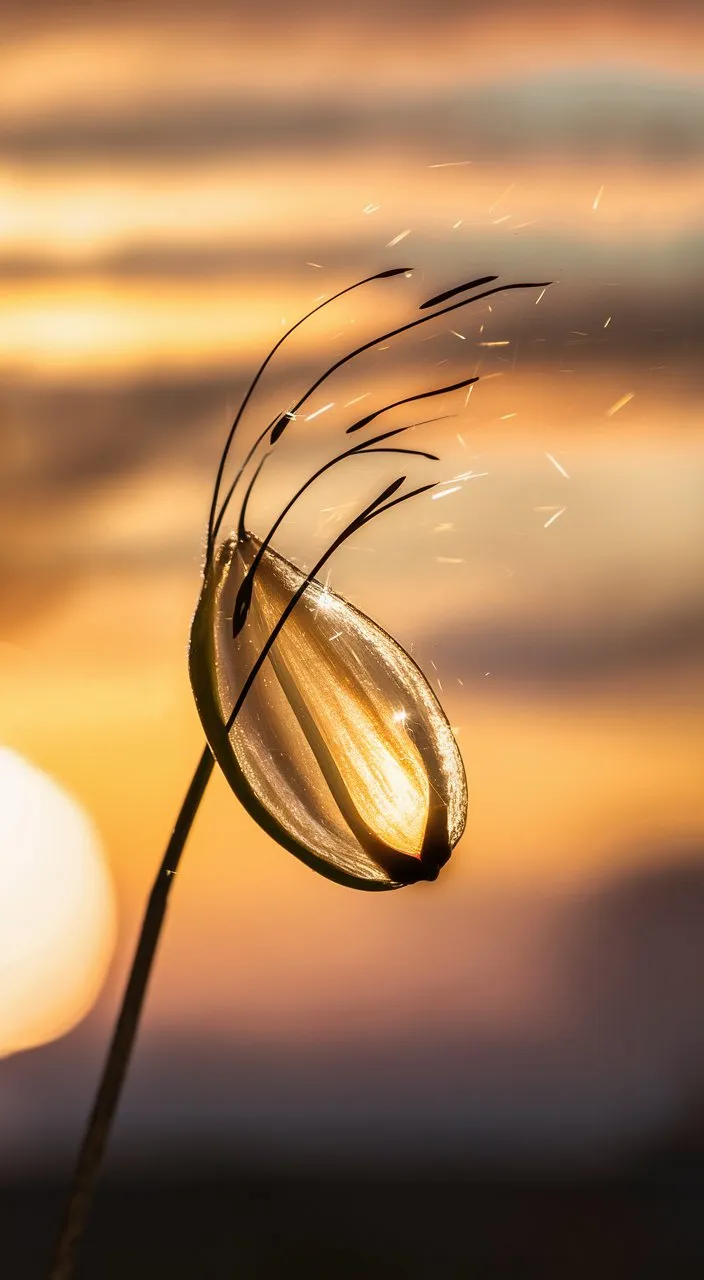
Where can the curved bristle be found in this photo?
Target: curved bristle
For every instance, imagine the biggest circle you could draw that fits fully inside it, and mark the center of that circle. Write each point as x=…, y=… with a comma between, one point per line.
x=459, y=288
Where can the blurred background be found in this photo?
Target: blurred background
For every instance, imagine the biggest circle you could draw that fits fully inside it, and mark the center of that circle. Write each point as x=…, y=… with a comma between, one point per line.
x=502, y=1071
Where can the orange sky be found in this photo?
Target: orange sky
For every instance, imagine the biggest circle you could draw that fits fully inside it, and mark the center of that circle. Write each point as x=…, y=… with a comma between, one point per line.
x=149, y=259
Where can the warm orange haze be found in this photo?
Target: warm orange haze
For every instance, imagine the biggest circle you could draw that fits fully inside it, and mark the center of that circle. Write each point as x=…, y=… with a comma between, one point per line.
x=173, y=193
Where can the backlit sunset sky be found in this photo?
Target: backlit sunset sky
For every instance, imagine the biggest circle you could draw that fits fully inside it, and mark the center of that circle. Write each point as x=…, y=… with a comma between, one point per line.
x=176, y=185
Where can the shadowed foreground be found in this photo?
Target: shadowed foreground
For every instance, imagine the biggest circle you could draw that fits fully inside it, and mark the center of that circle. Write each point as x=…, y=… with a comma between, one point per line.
x=643, y=1221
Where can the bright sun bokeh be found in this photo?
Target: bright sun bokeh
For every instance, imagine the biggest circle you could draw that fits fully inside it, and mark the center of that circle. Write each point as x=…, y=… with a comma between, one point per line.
x=57, y=909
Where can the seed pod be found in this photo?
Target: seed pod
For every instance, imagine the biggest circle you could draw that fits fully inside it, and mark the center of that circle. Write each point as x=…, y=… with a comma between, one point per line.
x=340, y=749
x=326, y=729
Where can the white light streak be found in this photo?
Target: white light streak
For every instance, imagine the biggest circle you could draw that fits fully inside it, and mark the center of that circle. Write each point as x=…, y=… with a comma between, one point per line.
x=502, y=196
x=458, y=335
x=371, y=208
x=620, y=404
x=319, y=265
x=554, y=517
x=470, y=475
x=318, y=412
x=457, y=224
x=333, y=515
x=597, y=198
x=541, y=295
x=505, y=342
x=555, y=463
x=450, y=164
x=450, y=560
x=608, y=322
x=445, y=493
x=505, y=416
x=356, y=399
x=505, y=218
x=397, y=239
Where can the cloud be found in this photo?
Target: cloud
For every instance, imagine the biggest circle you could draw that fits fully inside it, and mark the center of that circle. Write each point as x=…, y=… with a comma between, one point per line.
x=74, y=433
x=647, y=117
x=632, y=954
x=395, y=14
x=557, y=653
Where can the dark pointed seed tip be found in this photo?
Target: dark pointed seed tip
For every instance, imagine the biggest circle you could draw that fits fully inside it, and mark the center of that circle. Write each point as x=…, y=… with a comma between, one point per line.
x=280, y=426
x=393, y=271
x=357, y=426
x=459, y=288
x=391, y=488
x=240, y=613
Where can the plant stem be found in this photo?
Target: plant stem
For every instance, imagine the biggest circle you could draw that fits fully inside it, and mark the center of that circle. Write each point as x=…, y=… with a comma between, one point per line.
x=108, y=1095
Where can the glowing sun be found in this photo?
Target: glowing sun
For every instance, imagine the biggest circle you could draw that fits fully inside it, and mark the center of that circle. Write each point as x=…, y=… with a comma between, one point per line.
x=57, y=911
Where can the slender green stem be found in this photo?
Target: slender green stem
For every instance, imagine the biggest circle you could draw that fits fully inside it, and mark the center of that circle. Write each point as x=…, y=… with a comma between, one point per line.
x=108, y=1095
